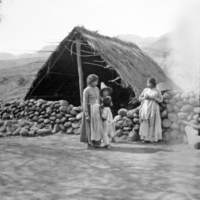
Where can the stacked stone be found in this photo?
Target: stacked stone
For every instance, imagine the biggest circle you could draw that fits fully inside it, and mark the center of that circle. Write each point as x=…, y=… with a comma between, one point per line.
x=127, y=124
x=43, y=116
x=175, y=107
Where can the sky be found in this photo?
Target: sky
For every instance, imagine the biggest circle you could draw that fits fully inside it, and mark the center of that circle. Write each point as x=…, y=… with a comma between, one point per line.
x=31, y=24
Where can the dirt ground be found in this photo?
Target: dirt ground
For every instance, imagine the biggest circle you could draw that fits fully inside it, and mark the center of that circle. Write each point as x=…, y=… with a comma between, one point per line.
x=60, y=167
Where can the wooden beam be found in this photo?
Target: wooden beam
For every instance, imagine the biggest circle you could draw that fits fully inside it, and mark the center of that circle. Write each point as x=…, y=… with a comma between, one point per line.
x=80, y=70
x=98, y=65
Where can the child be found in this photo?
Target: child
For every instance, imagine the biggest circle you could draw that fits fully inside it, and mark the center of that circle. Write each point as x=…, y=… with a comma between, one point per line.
x=105, y=91
x=91, y=127
x=107, y=122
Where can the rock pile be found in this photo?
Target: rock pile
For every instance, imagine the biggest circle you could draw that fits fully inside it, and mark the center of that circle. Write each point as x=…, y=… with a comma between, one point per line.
x=127, y=124
x=40, y=117
x=178, y=106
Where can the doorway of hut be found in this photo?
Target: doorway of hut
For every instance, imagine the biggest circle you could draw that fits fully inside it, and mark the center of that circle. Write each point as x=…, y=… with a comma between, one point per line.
x=121, y=95
x=67, y=86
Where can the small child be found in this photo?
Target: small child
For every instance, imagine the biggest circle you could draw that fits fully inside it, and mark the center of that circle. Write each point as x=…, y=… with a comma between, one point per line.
x=107, y=122
x=104, y=92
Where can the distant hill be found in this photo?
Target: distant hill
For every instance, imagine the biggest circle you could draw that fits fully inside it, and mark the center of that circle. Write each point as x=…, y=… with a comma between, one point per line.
x=12, y=64
x=45, y=52
x=6, y=56
x=141, y=42
x=42, y=53
x=157, y=48
x=13, y=72
x=21, y=67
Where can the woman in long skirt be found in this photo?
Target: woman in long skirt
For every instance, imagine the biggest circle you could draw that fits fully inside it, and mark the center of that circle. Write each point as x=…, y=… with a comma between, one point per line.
x=150, y=121
x=92, y=127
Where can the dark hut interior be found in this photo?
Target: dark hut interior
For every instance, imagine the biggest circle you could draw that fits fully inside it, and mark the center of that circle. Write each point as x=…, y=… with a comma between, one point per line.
x=62, y=80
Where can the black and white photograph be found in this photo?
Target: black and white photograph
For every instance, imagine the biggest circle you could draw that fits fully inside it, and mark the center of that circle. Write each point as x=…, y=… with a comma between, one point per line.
x=99, y=99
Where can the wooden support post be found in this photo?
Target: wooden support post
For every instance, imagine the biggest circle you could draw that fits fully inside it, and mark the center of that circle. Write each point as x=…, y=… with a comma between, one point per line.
x=80, y=71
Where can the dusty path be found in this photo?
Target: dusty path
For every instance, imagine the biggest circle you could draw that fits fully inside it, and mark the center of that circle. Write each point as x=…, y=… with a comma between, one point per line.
x=59, y=167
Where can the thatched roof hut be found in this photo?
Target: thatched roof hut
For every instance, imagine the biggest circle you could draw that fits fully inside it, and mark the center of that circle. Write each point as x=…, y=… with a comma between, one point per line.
x=117, y=63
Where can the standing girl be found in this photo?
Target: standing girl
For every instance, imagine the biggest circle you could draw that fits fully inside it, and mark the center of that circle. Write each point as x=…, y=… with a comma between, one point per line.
x=150, y=121
x=91, y=128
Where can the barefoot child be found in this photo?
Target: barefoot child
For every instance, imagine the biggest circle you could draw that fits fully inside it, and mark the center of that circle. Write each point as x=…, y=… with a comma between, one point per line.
x=104, y=92
x=107, y=121
x=91, y=127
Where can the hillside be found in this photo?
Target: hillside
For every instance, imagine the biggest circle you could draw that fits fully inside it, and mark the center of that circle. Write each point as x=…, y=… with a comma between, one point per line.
x=18, y=71
x=141, y=42
x=17, y=75
x=15, y=63
x=6, y=56
x=157, y=48
x=42, y=53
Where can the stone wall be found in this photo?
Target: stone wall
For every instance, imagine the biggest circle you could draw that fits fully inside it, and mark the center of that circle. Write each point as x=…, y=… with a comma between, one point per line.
x=32, y=118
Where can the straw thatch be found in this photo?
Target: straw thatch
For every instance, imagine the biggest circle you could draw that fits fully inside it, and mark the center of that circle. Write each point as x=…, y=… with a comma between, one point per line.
x=98, y=52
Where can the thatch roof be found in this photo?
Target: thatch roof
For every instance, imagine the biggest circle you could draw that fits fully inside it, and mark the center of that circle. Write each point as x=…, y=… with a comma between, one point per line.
x=132, y=65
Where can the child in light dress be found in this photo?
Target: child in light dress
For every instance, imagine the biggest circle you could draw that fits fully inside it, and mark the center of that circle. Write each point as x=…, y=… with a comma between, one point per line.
x=106, y=92
x=108, y=130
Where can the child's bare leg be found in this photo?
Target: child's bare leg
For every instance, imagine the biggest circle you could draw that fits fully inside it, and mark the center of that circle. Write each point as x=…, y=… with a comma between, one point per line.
x=112, y=133
x=106, y=140
x=113, y=140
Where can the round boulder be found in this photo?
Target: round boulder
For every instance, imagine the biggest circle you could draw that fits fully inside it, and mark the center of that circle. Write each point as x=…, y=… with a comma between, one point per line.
x=174, y=134
x=193, y=102
x=166, y=123
x=119, y=133
x=119, y=124
x=77, y=131
x=67, y=124
x=197, y=110
x=187, y=108
x=133, y=136
x=122, y=112
x=24, y=132
x=79, y=116
x=69, y=130
x=117, y=118
x=172, y=117
x=182, y=115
